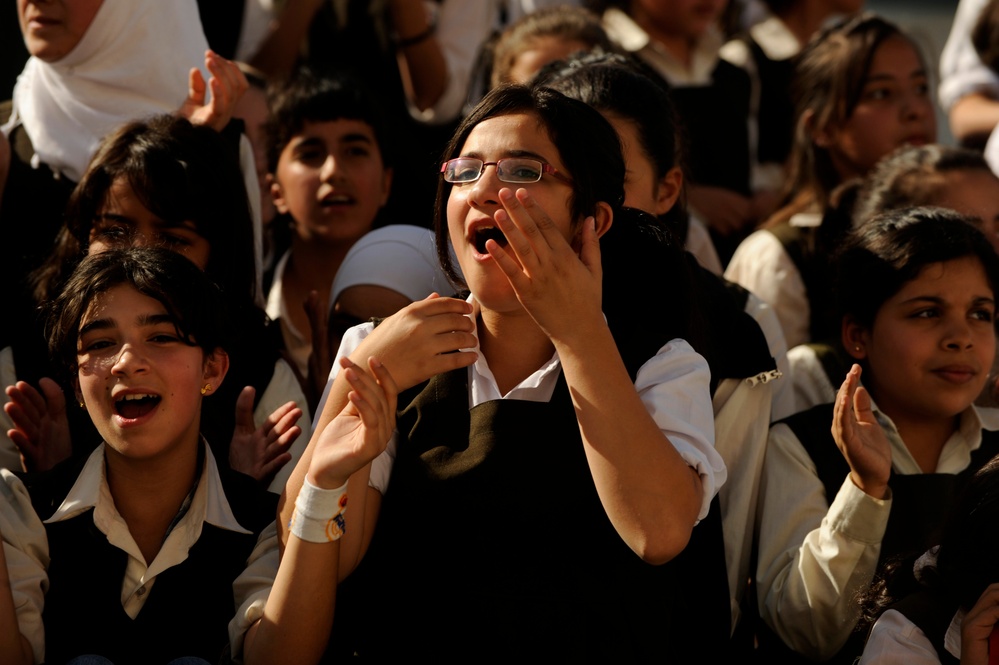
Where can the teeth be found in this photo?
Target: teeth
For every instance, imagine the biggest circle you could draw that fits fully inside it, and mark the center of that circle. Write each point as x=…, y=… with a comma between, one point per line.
x=135, y=396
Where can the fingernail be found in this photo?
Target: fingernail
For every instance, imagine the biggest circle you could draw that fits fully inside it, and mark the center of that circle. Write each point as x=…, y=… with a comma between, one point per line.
x=506, y=194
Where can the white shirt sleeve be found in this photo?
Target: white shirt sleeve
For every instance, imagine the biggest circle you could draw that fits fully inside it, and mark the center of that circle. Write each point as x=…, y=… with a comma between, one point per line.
x=26, y=549
x=674, y=387
x=253, y=586
x=895, y=640
x=813, y=556
x=962, y=72
x=761, y=265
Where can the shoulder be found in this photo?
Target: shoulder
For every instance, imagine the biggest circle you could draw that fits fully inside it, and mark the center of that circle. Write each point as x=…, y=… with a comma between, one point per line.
x=897, y=640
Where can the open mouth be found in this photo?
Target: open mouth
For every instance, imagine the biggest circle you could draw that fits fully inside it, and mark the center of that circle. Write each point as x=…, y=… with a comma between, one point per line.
x=336, y=200
x=488, y=233
x=135, y=405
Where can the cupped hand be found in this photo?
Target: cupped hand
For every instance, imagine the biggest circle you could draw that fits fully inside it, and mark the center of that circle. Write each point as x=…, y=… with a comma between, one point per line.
x=41, y=428
x=260, y=452
x=559, y=287
x=361, y=430
x=422, y=340
x=978, y=626
x=860, y=438
x=227, y=84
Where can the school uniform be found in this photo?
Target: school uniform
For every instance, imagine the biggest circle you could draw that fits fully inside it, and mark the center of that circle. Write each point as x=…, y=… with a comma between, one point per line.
x=822, y=538
x=81, y=585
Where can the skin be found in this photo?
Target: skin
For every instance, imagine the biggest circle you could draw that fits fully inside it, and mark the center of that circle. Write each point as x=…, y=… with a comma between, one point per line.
x=974, y=193
x=124, y=220
x=979, y=626
x=642, y=188
x=894, y=109
x=53, y=28
x=928, y=355
x=677, y=24
x=541, y=51
x=331, y=179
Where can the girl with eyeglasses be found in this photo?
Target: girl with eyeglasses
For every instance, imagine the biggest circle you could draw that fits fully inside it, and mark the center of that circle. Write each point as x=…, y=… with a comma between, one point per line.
x=545, y=459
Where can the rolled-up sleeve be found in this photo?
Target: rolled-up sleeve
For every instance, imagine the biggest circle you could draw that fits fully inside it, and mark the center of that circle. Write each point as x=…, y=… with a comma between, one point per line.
x=674, y=386
x=26, y=549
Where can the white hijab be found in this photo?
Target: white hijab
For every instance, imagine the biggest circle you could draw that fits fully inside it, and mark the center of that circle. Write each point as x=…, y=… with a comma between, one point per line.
x=132, y=62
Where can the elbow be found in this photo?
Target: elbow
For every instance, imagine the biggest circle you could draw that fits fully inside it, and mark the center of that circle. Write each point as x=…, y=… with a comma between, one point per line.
x=663, y=546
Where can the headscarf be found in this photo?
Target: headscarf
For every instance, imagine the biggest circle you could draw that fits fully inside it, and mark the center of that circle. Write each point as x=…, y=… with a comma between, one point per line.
x=132, y=62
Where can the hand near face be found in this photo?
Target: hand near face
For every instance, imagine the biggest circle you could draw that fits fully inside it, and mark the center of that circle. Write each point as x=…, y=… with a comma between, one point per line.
x=227, y=85
x=260, y=452
x=41, y=429
x=560, y=288
x=422, y=340
x=361, y=430
x=860, y=438
x=978, y=626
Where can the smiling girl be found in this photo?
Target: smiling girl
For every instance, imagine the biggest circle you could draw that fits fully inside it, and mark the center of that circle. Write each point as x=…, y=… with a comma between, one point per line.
x=537, y=477
x=861, y=90
x=917, y=291
x=149, y=532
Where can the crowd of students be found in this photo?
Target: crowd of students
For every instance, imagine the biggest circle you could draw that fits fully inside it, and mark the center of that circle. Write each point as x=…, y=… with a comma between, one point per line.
x=690, y=350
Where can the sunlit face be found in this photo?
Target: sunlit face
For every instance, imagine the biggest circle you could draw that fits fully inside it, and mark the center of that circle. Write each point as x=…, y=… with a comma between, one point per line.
x=540, y=52
x=471, y=206
x=124, y=222
x=140, y=382
x=894, y=110
x=931, y=346
x=331, y=180
x=975, y=193
x=53, y=28
x=642, y=188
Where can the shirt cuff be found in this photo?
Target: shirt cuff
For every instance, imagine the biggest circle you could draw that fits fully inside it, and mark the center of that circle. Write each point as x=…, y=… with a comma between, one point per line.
x=857, y=515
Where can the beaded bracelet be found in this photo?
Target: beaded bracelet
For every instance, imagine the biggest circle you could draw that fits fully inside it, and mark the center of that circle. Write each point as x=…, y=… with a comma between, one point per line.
x=318, y=516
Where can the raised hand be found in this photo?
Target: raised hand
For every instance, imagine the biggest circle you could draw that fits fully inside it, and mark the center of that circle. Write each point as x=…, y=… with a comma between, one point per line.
x=260, y=452
x=41, y=429
x=227, y=85
x=860, y=438
x=361, y=430
x=422, y=340
x=560, y=288
x=978, y=626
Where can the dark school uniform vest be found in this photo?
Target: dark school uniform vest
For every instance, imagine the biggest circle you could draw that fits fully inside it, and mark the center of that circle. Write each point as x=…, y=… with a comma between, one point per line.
x=189, y=607
x=775, y=119
x=921, y=502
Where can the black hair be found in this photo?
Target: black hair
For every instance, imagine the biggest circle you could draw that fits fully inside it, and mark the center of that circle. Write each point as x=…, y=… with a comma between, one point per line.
x=313, y=97
x=912, y=176
x=193, y=301
x=618, y=85
x=587, y=145
x=179, y=172
x=890, y=250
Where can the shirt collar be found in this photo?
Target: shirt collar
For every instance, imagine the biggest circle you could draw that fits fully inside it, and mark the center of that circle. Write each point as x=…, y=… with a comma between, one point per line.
x=775, y=39
x=209, y=503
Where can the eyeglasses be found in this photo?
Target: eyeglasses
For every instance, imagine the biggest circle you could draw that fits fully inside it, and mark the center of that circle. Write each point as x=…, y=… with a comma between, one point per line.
x=509, y=169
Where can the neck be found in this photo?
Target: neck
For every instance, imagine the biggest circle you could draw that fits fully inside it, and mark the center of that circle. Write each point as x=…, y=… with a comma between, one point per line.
x=315, y=264
x=149, y=493
x=513, y=346
x=924, y=436
x=679, y=46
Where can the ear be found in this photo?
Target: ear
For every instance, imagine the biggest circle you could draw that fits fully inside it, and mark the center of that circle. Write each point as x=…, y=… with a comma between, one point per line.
x=855, y=338
x=668, y=191
x=824, y=136
x=277, y=194
x=386, y=184
x=216, y=366
x=604, y=218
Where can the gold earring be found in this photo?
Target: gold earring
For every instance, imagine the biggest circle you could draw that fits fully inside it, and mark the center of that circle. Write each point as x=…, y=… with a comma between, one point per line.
x=82, y=405
x=206, y=388
x=856, y=347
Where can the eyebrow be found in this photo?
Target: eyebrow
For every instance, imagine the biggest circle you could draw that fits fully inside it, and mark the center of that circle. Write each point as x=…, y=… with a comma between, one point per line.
x=936, y=300
x=110, y=324
x=877, y=78
x=160, y=223
x=511, y=153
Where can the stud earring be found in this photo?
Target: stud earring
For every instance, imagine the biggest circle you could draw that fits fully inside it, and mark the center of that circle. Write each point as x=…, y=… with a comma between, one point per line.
x=82, y=405
x=856, y=347
x=206, y=388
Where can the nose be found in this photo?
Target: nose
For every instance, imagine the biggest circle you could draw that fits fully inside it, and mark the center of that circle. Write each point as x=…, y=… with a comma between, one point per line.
x=330, y=169
x=958, y=335
x=485, y=191
x=129, y=361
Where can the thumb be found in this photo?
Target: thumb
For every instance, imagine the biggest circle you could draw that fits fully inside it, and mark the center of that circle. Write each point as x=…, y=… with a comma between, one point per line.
x=244, y=408
x=196, y=86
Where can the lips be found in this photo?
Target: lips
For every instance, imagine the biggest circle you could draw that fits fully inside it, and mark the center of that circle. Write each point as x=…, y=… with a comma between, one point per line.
x=481, y=231
x=335, y=200
x=956, y=374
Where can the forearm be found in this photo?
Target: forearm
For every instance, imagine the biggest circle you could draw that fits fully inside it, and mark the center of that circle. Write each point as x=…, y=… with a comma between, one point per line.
x=277, y=55
x=421, y=61
x=297, y=619
x=974, y=115
x=650, y=493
